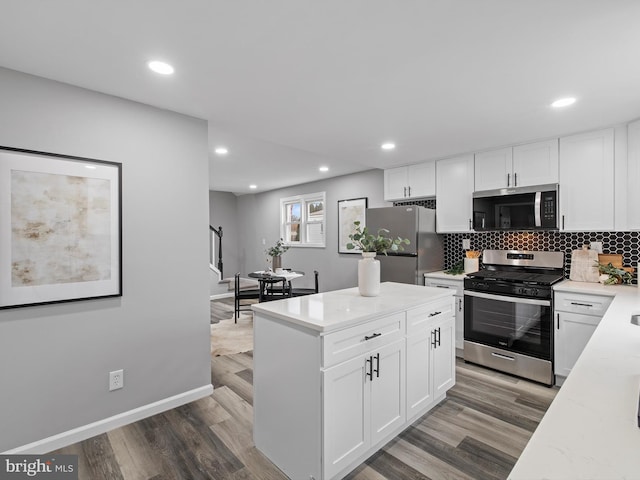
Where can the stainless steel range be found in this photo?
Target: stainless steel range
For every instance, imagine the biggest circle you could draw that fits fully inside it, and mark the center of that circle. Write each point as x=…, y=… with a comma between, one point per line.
x=508, y=312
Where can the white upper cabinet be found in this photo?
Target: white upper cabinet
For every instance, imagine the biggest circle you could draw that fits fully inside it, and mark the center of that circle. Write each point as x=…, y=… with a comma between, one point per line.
x=521, y=166
x=413, y=181
x=587, y=181
x=454, y=187
x=633, y=175
x=535, y=163
x=494, y=169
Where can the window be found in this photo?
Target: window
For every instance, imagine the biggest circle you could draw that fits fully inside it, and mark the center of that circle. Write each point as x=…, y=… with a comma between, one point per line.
x=302, y=220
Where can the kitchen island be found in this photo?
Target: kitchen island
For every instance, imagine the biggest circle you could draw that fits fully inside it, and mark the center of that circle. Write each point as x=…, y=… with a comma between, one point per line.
x=337, y=375
x=590, y=431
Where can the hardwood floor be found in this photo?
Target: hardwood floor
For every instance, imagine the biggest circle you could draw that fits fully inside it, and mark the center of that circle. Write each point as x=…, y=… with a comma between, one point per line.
x=477, y=432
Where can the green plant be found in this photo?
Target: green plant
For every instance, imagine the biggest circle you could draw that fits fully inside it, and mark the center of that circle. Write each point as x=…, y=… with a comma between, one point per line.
x=616, y=275
x=381, y=242
x=457, y=269
x=278, y=249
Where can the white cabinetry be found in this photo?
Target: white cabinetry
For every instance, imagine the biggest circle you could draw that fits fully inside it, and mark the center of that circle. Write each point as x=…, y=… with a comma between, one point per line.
x=633, y=175
x=494, y=169
x=413, y=181
x=519, y=166
x=325, y=401
x=576, y=317
x=457, y=285
x=587, y=181
x=454, y=187
x=364, y=401
x=430, y=355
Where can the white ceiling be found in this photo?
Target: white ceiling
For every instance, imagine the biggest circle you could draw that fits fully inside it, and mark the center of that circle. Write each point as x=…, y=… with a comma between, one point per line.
x=289, y=85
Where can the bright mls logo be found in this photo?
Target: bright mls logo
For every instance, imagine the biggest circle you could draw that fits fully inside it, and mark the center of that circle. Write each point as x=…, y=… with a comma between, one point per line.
x=51, y=467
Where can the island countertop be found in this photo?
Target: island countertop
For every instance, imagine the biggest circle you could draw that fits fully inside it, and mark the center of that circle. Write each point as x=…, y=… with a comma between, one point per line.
x=329, y=311
x=591, y=428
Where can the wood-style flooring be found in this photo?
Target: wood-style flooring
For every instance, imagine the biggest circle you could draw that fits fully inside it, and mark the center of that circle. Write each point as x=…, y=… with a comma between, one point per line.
x=477, y=432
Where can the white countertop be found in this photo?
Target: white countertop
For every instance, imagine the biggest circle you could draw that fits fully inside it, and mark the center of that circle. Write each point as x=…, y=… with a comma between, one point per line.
x=445, y=276
x=590, y=430
x=328, y=311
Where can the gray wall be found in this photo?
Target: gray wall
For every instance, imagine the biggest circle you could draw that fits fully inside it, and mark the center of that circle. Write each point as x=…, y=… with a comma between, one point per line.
x=259, y=217
x=223, y=211
x=55, y=359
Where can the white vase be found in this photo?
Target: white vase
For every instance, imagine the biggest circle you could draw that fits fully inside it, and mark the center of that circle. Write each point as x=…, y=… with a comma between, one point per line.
x=369, y=275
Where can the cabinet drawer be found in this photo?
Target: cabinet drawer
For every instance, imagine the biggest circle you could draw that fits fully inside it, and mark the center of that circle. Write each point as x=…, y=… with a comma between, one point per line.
x=582, y=303
x=421, y=318
x=345, y=344
x=456, y=285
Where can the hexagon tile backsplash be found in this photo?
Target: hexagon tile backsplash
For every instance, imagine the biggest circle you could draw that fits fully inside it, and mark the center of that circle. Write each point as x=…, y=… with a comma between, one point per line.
x=625, y=243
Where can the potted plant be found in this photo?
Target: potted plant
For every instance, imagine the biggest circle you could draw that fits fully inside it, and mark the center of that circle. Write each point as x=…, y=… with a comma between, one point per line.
x=370, y=245
x=276, y=252
x=610, y=275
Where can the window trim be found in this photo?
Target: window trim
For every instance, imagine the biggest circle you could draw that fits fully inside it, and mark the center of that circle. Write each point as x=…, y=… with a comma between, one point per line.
x=304, y=201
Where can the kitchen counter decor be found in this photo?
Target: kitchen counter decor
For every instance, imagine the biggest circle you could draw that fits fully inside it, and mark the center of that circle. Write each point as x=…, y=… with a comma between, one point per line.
x=371, y=245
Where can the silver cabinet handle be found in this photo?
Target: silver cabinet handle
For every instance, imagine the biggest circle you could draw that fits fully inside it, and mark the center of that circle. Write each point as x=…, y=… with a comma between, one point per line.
x=582, y=304
x=515, y=179
x=409, y=187
x=508, y=179
x=405, y=192
x=504, y=357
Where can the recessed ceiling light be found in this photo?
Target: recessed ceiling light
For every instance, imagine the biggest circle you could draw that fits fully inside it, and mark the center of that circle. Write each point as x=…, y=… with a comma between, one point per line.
x=388, y=146
x=161, y=67
x=324, y=169
x=221, y=150
x=563, y=102
x=253, y=187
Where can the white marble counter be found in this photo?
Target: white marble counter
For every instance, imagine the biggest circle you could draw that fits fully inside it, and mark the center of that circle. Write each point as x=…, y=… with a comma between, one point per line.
x=328, y=311
x=445, y=276
x=590, y=430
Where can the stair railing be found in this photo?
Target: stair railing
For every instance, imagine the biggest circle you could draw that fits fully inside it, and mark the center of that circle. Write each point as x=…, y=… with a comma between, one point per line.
x=213, y=234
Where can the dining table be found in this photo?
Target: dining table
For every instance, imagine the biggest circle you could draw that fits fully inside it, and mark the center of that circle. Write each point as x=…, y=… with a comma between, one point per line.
x=285, y=275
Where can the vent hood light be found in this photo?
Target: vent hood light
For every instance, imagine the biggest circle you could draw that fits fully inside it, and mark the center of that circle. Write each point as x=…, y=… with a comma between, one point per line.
x=161, y=67
x=563, y=102
x=324, y=169
x=221, y=150
x=253, y=187
x=388, y=146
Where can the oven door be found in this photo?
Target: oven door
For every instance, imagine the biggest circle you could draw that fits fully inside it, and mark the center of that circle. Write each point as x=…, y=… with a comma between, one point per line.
x=521, y=325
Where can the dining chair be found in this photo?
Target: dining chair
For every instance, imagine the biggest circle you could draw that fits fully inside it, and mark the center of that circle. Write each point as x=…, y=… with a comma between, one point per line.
x=274, y=288
x=243, y=295
x=298, y=292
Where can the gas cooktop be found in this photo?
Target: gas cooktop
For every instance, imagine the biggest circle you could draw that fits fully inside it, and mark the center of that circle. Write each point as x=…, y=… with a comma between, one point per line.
x=513, y=276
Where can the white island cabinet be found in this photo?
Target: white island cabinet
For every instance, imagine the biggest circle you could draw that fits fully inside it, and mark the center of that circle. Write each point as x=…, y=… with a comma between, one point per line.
x=337, y=375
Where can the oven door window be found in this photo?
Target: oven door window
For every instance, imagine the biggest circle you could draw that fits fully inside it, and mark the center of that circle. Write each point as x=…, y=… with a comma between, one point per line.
x=517, y=324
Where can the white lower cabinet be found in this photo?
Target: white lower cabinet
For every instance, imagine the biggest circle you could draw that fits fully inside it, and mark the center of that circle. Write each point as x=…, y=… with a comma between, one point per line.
x=430, y=355
x=456, y=284
x=323, y=403
x=364, y=401
x=576, y=318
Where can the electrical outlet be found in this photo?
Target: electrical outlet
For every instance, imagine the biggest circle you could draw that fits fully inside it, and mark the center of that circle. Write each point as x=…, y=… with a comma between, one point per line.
x=116, y=380
x=597, y=246
x=466, y=243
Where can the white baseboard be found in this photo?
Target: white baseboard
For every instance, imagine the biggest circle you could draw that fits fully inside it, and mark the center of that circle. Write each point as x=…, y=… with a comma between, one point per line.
x=221, y=295
x=102, y=426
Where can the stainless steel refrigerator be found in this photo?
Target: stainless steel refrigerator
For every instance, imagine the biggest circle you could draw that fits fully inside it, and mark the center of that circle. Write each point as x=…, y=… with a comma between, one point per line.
x=424, y=254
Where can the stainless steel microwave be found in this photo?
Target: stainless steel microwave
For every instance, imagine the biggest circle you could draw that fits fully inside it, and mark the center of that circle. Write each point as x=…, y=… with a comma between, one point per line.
x=520, y=208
